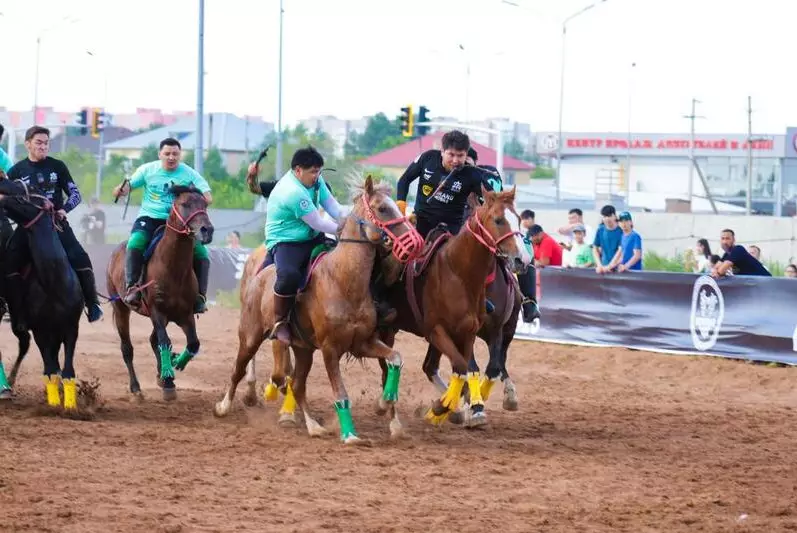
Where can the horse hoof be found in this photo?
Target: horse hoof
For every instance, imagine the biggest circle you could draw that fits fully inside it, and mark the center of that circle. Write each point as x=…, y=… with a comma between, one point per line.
x=317, y=431
x=250, y=399
x=220, y=410
x=456, y=417
x=354, y=440
x=287, y=420
x=396, y=430
x=137, y=397
x=476, y=420
x=170, y=395
x=6, y=394
x=381, y=407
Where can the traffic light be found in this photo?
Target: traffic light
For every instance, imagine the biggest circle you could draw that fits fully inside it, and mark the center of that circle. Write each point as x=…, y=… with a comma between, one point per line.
x=82, y=118
x=97, y=122
x=422, y=117
x=407, y=121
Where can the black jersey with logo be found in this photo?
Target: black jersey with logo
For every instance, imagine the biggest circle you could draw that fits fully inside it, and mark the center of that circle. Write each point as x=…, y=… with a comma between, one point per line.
x=449, y=204
x=51, y=177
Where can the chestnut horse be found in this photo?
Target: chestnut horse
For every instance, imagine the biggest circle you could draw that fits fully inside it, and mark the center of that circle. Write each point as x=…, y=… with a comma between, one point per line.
x=450, y=308
x=54, y=300
x=169, y=288
x=335, y=311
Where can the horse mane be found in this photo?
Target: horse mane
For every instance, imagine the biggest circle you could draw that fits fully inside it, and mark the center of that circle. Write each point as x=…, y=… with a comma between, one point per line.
x=177, y=190
x=355, y=181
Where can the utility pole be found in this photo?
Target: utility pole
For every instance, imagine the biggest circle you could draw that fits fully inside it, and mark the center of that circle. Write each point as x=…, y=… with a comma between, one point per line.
x=199, y=149
x=749, y=156
x=692, y=117
x=278, y=162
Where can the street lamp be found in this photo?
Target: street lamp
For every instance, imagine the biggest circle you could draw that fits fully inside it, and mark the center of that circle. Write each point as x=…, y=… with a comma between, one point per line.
x=65, y=20
x=467, y=83
x=199, y=152
x=278, y=162
x=100, y=159
x=562, y=97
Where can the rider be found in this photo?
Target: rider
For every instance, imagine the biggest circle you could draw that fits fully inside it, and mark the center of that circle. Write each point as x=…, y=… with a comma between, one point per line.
x=5, y=161
x=157, y=177
x=53, y=179
x=294, y=227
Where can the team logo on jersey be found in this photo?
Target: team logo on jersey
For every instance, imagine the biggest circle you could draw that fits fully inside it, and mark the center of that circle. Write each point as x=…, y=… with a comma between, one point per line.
x=304, y=205
x=427, y=174
x=426, y=190
x=708, y=311
x=53, y=177
x=456, y=186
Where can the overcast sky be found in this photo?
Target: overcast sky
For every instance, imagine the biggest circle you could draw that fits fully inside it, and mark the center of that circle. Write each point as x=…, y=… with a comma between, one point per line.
x=351, y=58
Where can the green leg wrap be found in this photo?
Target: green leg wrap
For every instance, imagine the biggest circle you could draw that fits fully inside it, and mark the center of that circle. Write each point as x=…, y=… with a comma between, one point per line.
x=182, y=360
x=200, y=250
x=390, y=392
x=138, y=241
x=343, y=408
x=167, y=369
x=3, y=381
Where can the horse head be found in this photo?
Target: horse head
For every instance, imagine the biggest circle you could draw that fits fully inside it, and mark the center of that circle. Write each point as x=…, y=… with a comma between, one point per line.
x=22, y=206
x=490, y=227
x=385, y=223
x=189, y=214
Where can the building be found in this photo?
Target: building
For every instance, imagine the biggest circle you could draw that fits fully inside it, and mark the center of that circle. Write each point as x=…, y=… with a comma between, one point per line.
x=396, y=160
x=605, y=164
x=338, y=129
x=86, y=143
x=235, y=137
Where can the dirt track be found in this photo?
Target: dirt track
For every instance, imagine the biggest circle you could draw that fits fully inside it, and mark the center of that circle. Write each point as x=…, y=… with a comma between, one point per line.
x=605, y=440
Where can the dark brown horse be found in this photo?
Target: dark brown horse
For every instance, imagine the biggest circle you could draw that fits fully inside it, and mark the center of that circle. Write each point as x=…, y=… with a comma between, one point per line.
x=335, y=311
x=443, y=298
x=169, y=289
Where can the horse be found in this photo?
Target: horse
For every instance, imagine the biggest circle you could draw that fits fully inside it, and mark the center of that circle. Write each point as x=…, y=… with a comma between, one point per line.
x=335, y=311
x=169, y=288
x=54, y=297
x=450, y=310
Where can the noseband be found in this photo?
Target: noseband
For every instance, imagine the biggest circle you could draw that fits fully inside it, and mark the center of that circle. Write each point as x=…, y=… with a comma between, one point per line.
x=482, y=235
x=404, y=247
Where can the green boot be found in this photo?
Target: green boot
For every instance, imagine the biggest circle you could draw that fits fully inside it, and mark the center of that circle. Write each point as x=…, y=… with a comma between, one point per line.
x=347, y=433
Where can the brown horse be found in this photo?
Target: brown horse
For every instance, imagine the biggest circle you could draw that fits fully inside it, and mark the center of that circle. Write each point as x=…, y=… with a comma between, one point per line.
x=335, y=311
x=169, y=289
x=450, y=311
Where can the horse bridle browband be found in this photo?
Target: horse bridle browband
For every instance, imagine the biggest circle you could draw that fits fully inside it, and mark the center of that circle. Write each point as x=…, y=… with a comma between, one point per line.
x=184, y=221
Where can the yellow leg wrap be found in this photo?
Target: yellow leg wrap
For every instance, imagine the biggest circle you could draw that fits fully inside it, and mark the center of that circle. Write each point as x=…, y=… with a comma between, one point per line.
x=70, y=394
x=486, y=387
x=289, y=403
x=475, y=388
x=53, y=395
x=450, y=400
x=271, y=393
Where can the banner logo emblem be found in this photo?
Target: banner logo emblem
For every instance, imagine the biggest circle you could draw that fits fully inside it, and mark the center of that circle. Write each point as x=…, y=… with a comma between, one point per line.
x=708, y=311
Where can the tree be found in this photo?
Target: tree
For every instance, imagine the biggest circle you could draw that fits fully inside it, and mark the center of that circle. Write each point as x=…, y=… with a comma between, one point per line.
x=150, y=153
x=513, y=148
x=380, y=134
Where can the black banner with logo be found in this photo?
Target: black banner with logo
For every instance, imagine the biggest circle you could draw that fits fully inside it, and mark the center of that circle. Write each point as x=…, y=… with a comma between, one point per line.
x=741, y=316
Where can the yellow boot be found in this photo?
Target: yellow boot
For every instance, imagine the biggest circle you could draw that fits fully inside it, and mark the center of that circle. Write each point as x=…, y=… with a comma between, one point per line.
x=449, y=401
x=271, y=392
x=289, y=403
x=53, y=394
x=70, y=394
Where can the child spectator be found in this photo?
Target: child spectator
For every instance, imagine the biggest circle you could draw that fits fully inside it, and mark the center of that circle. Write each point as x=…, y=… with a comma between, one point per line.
x=607, y=239
x=575, y=217
x=580, y=254
x=703, y=256
x=547, y=251
x=629, y=254
x=791, y=271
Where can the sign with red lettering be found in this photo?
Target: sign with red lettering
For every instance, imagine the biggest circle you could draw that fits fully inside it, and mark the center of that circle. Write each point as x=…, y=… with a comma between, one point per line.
x=612, y=143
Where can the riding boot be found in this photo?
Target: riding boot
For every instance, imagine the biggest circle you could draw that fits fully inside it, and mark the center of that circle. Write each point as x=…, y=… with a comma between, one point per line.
x=385, y=314
x=202, y=271
x=528, y=287
x=134, y=262
x=87, y=283
x=283, y=305
x=15, y=292
x=489, y=306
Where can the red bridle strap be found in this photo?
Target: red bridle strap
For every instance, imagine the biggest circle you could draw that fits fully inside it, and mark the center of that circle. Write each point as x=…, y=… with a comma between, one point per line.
x=485, y=238
x=185, y=230
x=406, y=246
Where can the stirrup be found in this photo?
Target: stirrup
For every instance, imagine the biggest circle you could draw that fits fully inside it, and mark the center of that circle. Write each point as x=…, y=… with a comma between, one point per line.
x=277, y=326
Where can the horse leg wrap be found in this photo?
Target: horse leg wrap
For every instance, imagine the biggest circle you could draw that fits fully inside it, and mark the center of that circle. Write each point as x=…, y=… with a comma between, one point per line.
x=53, y=394
x=390, y=392
x=449, y=401
x=70, y=394
x=343, y=408
x=486, y=387
x=271, y=393
x=475, y=389
x=3, y=381
x=289, y=403
x=182, y=360
x=167, y=369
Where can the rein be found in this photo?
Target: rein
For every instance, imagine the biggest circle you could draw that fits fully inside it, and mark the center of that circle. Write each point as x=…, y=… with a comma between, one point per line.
x=184, y=221
x=485, y=238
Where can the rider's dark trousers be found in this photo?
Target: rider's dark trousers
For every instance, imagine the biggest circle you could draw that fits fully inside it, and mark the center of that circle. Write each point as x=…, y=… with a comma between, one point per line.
x=424, y=225
x=19, y=255
x=292, y=259
x=528, y=283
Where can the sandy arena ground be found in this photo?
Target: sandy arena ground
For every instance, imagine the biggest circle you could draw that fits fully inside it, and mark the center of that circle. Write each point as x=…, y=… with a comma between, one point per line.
x=605, y=440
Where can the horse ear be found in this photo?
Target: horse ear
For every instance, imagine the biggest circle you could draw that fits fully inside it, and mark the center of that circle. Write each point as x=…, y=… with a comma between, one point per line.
x=473, y=201
x=369, y=185
x=488, y=196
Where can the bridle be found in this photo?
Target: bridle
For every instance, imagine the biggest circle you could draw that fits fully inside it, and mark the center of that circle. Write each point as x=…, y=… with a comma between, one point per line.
x=184, y=221
x=483, y=236
x=404, y=248
x=46, y=207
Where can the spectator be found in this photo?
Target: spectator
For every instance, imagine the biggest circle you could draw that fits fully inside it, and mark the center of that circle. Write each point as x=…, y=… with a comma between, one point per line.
x=5, y=161
x=234, y=239
x=93, y=224
x=629, y=254
x=580, y=254
x=714, y=261
x=547, y=251
x=736, y=259
x=526, y=222
x=755, y=251
x=703, y=256
x=575, y=217
x=607, y=239
x=791, y=271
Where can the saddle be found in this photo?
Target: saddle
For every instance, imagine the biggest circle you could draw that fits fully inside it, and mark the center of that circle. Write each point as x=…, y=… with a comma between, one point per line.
x=157, y=236
x=318, y=253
